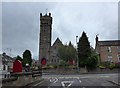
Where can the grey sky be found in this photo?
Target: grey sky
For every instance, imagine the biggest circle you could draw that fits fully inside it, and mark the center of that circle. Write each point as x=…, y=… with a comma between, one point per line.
x=20, y=23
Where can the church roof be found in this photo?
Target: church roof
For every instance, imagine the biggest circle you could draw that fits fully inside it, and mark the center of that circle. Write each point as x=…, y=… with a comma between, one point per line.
x=57, y=42
x=109, y=43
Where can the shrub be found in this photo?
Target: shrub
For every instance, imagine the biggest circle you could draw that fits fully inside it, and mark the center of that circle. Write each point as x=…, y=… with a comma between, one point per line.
x=44, y=67
x=117, y=65
x=92, y=62
x=106, y=64
x=63, y=63
x=102, y=67
x=51, y=66
x=111, y=66
x=72, y=67
x=55, y=66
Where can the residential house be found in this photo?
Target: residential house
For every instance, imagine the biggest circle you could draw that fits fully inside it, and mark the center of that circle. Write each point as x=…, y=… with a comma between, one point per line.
x=108, y=50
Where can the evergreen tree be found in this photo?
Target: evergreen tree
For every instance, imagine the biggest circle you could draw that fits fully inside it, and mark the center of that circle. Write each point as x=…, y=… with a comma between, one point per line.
x=27, y=57
x=19, y=58
x=84, y=50
x=71, y=51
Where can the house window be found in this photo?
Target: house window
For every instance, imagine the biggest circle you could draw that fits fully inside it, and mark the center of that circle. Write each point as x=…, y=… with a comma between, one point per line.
x=58, y=60
x=109, y=59
x=109, y=49
x=4, y=67
x=118, y=48
x=119, y=57
x=52, y=60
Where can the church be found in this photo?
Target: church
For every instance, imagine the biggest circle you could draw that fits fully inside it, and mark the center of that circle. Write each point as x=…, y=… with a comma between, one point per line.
x=48, y=52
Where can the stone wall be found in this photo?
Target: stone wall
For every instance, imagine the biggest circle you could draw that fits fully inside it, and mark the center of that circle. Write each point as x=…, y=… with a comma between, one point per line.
x=67, y=71
x=21, y=79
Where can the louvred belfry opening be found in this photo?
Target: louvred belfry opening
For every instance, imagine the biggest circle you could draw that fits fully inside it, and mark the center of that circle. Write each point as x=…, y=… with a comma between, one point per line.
x=43, y=61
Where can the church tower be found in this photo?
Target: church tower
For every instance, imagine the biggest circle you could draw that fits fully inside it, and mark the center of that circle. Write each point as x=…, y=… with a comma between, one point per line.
x=45, y=36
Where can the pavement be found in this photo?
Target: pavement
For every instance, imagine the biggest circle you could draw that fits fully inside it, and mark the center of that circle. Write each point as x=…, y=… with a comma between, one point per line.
x=33, y=83
x=114, y=80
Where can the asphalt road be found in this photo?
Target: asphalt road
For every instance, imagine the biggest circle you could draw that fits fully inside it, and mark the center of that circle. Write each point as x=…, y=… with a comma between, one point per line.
x=77, y=81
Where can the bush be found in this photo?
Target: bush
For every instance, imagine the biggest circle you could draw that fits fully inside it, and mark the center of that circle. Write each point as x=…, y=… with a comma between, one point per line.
x=72, y=67
x=106, y=64
x=51, y=66
x=55, y=66
x=102, y=67
x=44, y=67
x=63, y=63
x=117, y=65
x=111, y=66
x=92, y=62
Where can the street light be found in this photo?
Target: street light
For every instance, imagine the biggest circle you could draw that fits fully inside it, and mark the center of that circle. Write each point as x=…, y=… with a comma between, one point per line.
x=9, y=50
x=77, y=54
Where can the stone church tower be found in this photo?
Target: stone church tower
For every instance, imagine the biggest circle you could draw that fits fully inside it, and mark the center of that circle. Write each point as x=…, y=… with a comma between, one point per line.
x=45, y=36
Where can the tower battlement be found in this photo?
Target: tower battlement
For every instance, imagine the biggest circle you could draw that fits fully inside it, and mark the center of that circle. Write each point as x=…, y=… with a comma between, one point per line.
x=49, y=15
x=45, y=19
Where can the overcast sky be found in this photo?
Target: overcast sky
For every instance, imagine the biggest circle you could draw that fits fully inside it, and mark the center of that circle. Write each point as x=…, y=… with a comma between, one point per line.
x=20, y=23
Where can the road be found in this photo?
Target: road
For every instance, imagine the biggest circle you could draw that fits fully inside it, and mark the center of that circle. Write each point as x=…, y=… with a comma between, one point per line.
x=77, y=81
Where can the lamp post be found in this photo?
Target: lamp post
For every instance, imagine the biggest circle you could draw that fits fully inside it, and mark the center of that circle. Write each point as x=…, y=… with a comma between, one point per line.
x=77, y=55
x=10, y=51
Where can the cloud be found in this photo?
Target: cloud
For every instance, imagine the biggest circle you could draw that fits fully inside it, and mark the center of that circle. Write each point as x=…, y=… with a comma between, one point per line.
x=21, y=26
x=0, y=27
x=20, y=23
x=93, y=18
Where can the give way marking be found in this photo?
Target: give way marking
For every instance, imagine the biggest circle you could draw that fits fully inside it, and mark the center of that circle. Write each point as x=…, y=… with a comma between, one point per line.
x=66, y=84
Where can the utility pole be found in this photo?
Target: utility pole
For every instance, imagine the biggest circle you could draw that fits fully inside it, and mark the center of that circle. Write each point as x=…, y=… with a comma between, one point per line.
x=77, y=55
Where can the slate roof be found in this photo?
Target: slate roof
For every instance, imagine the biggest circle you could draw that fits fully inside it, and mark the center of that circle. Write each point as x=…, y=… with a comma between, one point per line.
x=109, y=43
x=6, y=57
x=57, y=41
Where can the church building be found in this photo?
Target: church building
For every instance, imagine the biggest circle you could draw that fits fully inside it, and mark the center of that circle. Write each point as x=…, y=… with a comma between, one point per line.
x=47, y=51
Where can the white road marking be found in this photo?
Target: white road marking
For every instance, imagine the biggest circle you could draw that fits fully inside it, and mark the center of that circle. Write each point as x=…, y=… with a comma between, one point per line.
x=38, y=83
x=61, y=77
x=55, y=80
x=105, y=76
x=67, y=77
x=79, y=79
x=63, y=83
x=51, y=79
x=69, y=84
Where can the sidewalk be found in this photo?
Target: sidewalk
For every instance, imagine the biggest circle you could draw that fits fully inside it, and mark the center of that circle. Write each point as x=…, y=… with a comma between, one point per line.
x=31, y=84
x=114, y=81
